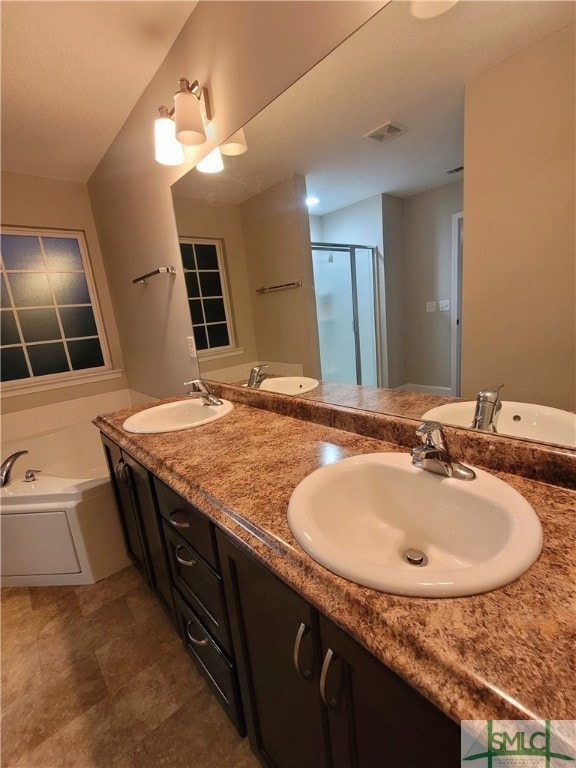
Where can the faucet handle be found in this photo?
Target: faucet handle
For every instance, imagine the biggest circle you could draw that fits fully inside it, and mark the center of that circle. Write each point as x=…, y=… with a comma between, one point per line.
x=198, y=385
x=490, y=394
x=431, y=434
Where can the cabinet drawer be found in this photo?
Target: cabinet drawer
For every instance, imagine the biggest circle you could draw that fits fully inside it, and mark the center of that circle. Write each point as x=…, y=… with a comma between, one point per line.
x=187, y=521
x=213, y=663
x=199, y=584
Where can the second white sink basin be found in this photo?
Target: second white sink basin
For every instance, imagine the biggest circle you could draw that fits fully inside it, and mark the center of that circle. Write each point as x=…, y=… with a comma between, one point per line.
x=524, y=420
x=367, y=516
x=181, y=414
x=289, y=385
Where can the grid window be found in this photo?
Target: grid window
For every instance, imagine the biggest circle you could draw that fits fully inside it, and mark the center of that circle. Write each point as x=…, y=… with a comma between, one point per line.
x=207, y=294
x=50, y=323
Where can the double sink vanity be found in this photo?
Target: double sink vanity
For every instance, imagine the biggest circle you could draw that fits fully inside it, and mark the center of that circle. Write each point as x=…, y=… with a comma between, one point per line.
x=339, y=599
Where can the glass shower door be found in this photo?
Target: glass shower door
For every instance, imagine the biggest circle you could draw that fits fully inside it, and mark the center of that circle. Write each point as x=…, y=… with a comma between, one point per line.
x=345, y=309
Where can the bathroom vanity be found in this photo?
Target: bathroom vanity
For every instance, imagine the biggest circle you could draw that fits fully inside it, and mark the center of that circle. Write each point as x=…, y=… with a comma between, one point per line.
x=318, y=670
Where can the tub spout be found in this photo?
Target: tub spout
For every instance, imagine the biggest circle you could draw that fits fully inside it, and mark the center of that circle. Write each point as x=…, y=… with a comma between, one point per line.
x=6, y=469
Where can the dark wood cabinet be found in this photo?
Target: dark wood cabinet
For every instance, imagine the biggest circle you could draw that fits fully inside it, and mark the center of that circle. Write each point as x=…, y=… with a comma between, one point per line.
x=315, y=697
x=137, y=509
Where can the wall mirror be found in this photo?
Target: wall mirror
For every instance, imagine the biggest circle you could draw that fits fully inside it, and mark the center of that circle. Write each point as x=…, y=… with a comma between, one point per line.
x=376, y=132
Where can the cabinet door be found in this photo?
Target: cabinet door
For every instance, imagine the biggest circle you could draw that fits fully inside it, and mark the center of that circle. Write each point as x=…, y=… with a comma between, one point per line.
x=144, y=500
x=275, y=641
x=133, y=534
x=376, y=719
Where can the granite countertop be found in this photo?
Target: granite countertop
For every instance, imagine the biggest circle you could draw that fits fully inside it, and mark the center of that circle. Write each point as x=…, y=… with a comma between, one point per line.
x=506, y=654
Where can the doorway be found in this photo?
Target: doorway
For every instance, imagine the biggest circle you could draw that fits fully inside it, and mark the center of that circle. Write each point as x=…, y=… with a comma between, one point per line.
x=347, y=311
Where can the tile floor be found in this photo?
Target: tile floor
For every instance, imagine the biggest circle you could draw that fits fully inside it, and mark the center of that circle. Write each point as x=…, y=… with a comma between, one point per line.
x=96, y=677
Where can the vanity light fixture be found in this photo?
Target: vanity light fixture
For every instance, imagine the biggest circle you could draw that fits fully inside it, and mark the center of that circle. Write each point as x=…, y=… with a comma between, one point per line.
x=183, y=124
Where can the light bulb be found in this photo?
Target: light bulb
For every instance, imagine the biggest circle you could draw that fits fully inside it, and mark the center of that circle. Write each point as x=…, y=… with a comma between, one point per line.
x=212, y=163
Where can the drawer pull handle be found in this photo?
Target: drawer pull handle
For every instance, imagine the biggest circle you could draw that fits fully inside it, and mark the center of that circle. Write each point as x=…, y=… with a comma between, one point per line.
x=188, y=563
x=178, y=523
x=302, y=630
x=193, y=640
x=333, y=701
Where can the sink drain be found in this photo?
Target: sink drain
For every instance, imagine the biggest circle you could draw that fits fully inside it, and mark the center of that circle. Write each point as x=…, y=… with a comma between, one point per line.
x=415, y=557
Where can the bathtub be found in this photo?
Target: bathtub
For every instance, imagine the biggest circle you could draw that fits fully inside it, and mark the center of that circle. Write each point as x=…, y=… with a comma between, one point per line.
x=62, y=527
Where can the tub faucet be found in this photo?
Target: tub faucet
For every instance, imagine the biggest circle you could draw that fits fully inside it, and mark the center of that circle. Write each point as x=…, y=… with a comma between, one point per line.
x=201, y=388
x=256, y=376
x=6, y=469
x=488, y=406
x=433, y=454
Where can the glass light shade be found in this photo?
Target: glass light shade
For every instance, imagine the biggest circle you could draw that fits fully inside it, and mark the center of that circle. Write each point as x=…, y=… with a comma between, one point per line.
x=188, y=119
x=235, y=145
x=212, y=163
x=167, y=150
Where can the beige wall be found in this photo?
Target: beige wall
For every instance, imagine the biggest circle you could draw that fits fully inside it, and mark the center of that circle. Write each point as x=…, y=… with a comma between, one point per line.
x=246, y=53
x=277, y=242
x=222, y=221
x=427, y=276
x=29, y=201
x=519, y=325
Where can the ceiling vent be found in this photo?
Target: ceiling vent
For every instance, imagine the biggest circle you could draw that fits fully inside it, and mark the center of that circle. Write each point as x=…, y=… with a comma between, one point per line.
x=386, y=132
x=455, y=170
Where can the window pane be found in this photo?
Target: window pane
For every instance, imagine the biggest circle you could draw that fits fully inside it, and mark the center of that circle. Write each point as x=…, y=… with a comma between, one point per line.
x=200, y=337
x=85, y=354
x=21, y=252
x=210, y=284
x=78, y=321
x=214, y=311
x=13, y=364
x=47, y=359
x=70, y=288
x=39, y=324
x=192, y=288
x=30, y=290
x=62, y=253
x=5, y=299
x=187, y=256
x=218, y=335
x=8, y=330
x=206, y=256
x=196, y=311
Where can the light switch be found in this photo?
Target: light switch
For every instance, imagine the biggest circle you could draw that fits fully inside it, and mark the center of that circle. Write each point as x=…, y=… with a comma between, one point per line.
x=191, y=347
x=430, y=306
x=444, y=305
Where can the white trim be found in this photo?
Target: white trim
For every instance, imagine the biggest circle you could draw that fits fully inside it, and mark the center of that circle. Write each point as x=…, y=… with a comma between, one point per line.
x=28, y=386
x=456, y=303
x=214, y=354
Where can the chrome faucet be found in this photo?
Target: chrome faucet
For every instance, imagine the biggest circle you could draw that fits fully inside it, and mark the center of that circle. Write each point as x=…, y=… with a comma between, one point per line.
x=256, y=376
x=488, y=406
x=201, y=388
x=433, y=454
x=6, y=469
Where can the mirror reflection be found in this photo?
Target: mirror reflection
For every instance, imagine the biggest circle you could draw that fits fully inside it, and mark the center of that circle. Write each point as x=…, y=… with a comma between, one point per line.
x=439, y=258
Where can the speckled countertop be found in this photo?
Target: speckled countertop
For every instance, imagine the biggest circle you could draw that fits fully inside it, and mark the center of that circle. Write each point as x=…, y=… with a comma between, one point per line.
x=507, y=654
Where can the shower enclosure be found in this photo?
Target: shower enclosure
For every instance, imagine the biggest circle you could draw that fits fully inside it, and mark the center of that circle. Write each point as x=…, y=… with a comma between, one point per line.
x=347, y=309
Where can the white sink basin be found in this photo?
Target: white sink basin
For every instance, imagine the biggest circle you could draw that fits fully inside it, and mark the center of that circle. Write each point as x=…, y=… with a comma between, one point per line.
x=357, y=517
x=524, y=420
x=181, y=414
x=289, y=385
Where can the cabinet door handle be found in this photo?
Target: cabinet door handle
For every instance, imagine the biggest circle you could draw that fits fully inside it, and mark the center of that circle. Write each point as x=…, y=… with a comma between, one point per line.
x=178, y=523
x=306, y=673
x=120, y=467
x=188, y=563
x=193, y=640
x=332, y=701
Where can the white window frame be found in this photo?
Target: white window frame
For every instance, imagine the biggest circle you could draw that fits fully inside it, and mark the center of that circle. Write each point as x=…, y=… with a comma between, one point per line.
x=66, y=378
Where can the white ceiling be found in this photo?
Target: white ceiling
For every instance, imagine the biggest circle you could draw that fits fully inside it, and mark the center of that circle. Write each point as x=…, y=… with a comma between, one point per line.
x=396, y=67
x=72, y=73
